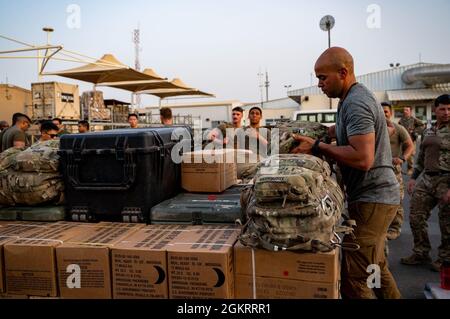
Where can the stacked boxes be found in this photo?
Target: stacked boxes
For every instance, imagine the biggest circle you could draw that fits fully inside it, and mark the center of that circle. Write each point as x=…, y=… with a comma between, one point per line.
x=93, y=107
x=177, y=262
x=30, y=263
x=139, y=263
x=10, y=231
x=200, y=263
x=288, y=275
x=87, y=256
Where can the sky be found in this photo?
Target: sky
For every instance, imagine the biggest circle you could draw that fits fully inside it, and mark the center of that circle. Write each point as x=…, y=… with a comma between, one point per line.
x=220, y=46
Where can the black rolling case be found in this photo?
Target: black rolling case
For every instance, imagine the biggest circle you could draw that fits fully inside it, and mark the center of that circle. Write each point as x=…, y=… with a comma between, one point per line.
x=119, y=174
x=199, y=209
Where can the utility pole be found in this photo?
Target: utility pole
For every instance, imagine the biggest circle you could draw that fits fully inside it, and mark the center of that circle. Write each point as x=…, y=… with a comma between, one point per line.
x=267, y=84
x=261, y=85
x=137, y=61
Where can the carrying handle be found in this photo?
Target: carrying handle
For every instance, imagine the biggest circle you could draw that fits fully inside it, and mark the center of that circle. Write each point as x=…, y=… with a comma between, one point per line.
x=122, y=154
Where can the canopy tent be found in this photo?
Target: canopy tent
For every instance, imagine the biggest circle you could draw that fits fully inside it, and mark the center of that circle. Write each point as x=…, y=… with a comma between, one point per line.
x=106, y=69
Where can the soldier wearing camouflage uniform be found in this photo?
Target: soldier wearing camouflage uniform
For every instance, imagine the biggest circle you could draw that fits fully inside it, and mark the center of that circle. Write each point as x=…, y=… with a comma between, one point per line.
x=432, y=188
x=414, y=127
x=402, y=148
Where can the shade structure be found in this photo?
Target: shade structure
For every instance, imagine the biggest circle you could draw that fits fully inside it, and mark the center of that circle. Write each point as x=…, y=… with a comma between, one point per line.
x=106, y=69
x=139, y=86
x=165, y=93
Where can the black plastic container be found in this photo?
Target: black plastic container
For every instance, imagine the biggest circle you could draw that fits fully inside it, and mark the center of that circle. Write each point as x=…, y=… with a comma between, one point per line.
x=119, y=174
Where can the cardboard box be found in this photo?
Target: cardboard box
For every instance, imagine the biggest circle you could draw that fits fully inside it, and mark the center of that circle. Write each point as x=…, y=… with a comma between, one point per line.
x=276, y=288
x=10, y=231
x=200, y=263
x=30, y=262
x=11, y=297
x=88, y=257
x=139, y=263
x=208, y=171
x=321, y=267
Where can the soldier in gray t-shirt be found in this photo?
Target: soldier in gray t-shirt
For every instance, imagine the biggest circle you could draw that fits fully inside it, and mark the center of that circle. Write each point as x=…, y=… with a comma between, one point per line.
x=361, y=114
x=363, y=154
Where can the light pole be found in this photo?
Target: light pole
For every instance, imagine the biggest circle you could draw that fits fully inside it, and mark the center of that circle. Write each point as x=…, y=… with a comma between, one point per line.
x=48, y=30
x=287, y=87
x=326, y=24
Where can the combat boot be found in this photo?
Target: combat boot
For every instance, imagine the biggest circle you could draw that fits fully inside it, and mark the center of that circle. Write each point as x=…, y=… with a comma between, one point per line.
x=415, y=259
x=436, y=265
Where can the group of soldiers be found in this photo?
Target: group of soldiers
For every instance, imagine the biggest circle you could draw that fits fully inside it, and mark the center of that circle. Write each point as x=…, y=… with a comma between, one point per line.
x=428, y=182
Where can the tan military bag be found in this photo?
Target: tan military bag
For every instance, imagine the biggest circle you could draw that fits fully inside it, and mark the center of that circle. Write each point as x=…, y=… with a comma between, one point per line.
x=294, y=204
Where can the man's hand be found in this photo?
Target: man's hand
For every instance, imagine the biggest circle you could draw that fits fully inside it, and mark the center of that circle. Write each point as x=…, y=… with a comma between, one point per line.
x=411, y=186
x=446, y=198
x=306, y=144
x=397, y=161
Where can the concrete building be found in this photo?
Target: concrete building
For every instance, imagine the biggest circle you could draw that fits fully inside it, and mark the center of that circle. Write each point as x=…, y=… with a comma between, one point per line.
x=415, y=85
x=13, y=99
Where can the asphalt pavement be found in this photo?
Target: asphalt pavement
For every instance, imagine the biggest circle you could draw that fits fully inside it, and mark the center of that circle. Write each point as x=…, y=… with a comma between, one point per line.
x=411, y=280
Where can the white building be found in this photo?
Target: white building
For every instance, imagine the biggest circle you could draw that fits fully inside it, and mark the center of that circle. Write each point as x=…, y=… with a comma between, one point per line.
x=416, y=85
x=211, y=114
x=275, y=110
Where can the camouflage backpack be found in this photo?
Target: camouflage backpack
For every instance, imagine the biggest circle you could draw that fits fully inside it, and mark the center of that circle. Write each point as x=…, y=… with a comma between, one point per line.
x=30, y=177
x=310, y=129
x=286, y=140
x=41, y=157
x=294, y=204
x=8, y=158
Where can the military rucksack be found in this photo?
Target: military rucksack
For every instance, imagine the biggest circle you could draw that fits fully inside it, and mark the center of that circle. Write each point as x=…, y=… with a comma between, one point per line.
x=294, y=204
x=30, y=177
x=309, y=129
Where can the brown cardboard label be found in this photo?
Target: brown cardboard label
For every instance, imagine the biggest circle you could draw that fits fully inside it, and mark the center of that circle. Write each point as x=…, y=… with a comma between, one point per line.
x=276, y=288
x=139, y=274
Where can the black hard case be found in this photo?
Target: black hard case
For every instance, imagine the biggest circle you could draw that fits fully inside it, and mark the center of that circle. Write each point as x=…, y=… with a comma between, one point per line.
x=119, y=174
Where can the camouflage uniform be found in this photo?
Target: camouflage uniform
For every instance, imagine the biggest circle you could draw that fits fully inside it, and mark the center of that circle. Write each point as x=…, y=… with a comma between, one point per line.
x=400, y=216
x=433, y=164
x=415, y=128
x=398, y=141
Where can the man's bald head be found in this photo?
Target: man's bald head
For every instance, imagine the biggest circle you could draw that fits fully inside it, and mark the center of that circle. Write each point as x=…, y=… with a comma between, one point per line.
x=335, y=71
x=336, y=58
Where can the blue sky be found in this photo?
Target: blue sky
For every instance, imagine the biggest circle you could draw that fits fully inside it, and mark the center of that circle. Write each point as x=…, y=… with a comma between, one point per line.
x=220, y=46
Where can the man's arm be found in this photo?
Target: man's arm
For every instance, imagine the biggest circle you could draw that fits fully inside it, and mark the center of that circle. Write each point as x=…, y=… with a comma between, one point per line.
x=407, y=146
x=359, y=154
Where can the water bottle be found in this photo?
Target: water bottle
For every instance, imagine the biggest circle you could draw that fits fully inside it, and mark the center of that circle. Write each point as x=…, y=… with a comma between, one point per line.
x=445, y=275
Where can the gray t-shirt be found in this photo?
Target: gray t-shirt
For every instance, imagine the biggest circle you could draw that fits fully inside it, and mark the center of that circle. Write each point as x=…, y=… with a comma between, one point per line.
x=361, y=114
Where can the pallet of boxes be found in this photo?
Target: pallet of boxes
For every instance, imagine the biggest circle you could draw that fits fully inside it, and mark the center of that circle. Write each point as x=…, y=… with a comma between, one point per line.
x=93, y=107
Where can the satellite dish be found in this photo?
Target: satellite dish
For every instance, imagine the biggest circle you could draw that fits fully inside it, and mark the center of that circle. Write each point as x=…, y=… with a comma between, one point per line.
x=327, y=23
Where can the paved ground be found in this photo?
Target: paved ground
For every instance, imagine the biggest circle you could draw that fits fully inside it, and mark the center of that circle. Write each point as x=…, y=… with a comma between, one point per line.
x=411, y=280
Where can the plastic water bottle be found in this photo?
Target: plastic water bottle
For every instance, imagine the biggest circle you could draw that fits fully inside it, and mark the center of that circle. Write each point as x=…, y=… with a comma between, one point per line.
x=445, y=275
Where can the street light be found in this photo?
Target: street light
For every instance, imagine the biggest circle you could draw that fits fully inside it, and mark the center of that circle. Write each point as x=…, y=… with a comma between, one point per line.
x=287, y=87
x=48, y=30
